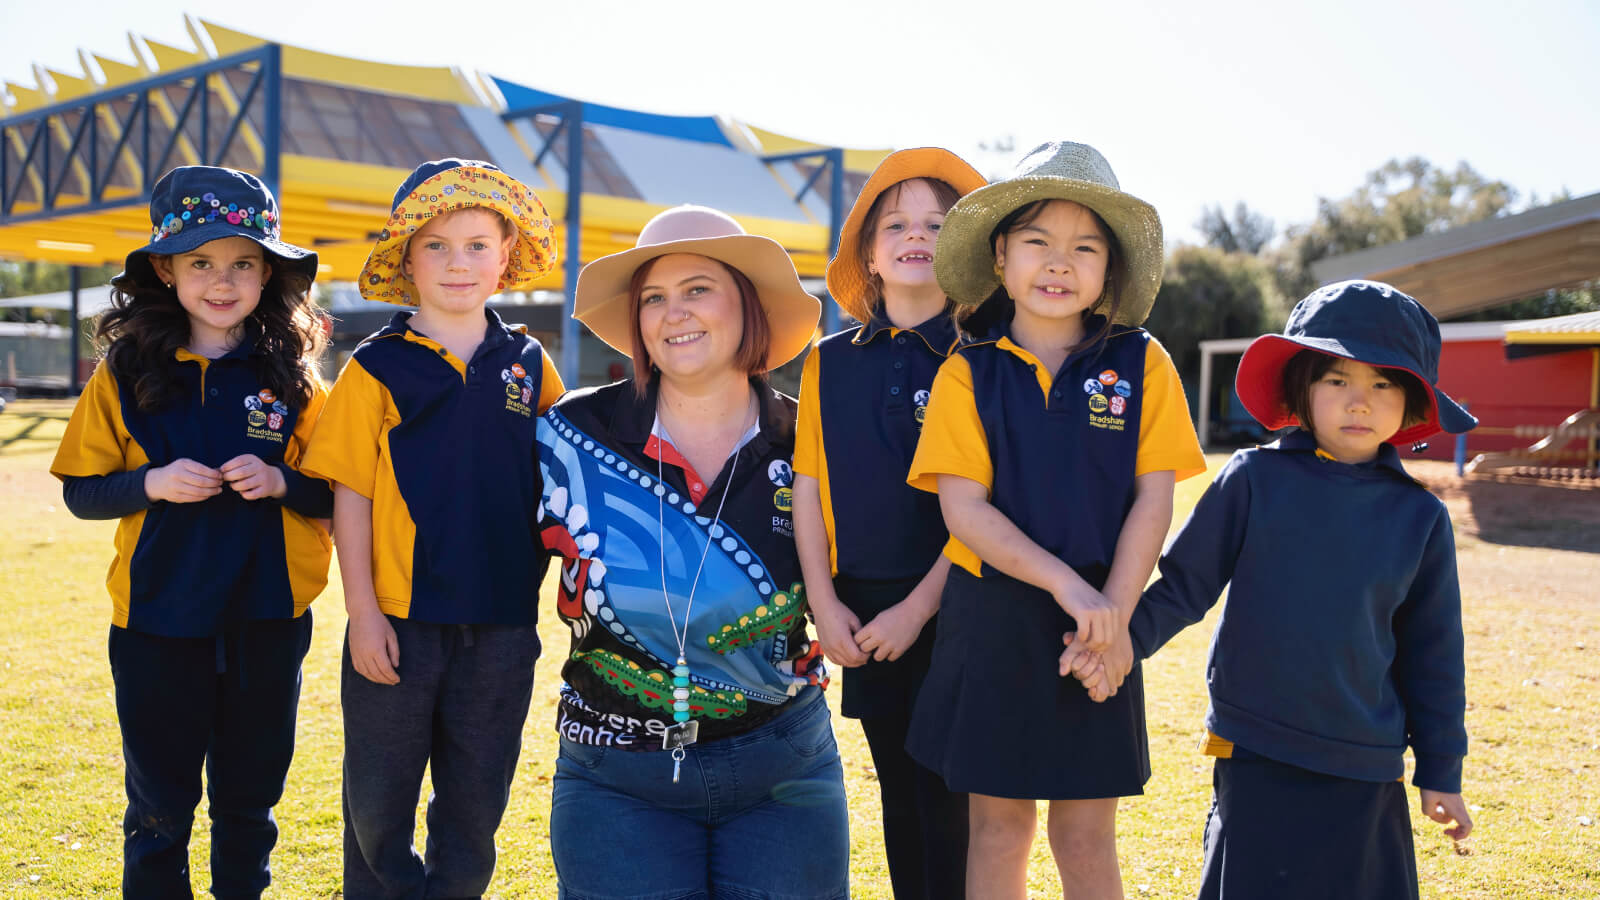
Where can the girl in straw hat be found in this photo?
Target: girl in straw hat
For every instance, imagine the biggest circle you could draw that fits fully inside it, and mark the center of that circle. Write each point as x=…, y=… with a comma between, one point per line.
x=1341, y=642
x=870, y=544
x=697, y=753
x=1053, y=443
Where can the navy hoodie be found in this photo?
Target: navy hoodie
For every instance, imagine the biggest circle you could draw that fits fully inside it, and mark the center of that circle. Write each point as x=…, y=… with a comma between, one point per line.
x=1341, y=642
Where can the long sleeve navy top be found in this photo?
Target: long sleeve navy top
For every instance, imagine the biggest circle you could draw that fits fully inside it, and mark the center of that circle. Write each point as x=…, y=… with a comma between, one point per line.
x=1341, y=640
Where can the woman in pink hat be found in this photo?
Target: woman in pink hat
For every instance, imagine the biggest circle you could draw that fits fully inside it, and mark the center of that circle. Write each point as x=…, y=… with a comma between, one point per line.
x=697, y=754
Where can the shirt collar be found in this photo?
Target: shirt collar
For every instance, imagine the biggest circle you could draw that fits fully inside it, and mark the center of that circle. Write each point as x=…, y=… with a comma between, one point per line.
x=242, y=350
x=495, y=332
x=634, y=416
x=1301, y=441
x=938, y=332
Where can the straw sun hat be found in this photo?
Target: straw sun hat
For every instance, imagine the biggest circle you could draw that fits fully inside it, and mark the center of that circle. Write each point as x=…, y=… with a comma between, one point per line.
x=849, y=282
x=602, y=295
x=1059, y=170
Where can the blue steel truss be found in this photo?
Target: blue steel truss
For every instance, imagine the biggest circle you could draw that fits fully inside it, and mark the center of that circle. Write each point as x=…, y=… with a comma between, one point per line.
x=43, y=166
x=569, y=124
x=830, y=161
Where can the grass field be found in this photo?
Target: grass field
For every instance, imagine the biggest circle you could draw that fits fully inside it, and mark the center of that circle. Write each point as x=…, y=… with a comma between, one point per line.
x=1530, y=566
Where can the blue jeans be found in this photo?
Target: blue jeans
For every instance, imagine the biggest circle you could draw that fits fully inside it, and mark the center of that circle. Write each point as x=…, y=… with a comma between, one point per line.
x=459, y=708
x=758, y=815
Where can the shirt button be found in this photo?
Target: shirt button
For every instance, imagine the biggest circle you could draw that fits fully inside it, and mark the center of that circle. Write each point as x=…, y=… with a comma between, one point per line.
x=894, y=391
x=443, y=352
x=1056, y=394
x=472, y=370
x=697, y=487
x=898, y=364
x=900, y=339
x=213, y=392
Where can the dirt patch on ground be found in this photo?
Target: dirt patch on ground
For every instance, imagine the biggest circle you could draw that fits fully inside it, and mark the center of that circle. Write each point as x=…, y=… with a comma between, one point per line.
x=1555, y=515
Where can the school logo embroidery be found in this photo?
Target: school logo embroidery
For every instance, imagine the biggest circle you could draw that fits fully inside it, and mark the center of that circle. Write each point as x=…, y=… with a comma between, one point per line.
x=1107, y=413
x=781, y=473
x=783, y=499
x=1093, y=386
x=260, y=424
x=519, y=390
x=920, y=398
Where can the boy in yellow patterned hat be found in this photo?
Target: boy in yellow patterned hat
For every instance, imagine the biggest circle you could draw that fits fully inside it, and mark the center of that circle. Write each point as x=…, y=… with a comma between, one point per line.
x=428, y=439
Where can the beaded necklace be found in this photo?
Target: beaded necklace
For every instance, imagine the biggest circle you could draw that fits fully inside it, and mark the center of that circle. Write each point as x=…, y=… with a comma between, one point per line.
x=684, y=730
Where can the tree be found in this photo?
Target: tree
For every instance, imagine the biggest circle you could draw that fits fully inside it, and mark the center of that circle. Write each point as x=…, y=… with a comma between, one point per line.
x=1248, y=232
x=1207, y=294
x=1400, y=200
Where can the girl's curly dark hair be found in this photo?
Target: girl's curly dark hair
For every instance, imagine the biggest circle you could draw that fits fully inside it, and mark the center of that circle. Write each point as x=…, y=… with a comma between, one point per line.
x=146, y=325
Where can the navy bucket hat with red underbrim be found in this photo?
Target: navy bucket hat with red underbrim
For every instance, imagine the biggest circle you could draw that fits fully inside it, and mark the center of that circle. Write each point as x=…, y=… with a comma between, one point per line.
x=1365, y=321
x=195, y=205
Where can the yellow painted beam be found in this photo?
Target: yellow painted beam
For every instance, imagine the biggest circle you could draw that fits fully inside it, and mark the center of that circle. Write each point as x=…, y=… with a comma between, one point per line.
x=431, y=83
x=774, y=143
x=1552, y=337
x=168, y=57
x=118, y=73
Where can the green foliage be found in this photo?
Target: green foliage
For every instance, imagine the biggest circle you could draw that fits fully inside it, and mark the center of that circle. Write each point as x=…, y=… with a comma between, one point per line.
x=1585, y=298
x=1400, y=200
x=1246, y=232
x=1207, y=294
x=21, y=279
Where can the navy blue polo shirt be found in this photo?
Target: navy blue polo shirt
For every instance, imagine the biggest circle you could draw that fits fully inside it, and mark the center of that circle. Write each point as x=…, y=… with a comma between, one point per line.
x=192, y=569
x=1058, y=451
x=444, y=448
x=863, y=395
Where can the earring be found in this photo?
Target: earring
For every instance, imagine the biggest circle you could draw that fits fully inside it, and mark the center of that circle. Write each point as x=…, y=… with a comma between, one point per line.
x=872, y=269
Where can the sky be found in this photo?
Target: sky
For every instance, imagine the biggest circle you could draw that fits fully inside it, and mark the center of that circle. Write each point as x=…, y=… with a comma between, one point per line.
x=1273, y=104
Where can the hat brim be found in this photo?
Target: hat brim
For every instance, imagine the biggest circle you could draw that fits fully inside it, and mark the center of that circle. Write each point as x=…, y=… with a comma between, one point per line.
x=297, y=259
x=1259, y=384
x=602, y=294
x=963, y=260
x=533, y=253
x=849, y=282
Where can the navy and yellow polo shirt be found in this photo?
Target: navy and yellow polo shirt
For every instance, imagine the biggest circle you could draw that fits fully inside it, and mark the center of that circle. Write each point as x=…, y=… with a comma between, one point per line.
x=444, y=449
x=1058, y=454
x=191, y=569
x=863, y=394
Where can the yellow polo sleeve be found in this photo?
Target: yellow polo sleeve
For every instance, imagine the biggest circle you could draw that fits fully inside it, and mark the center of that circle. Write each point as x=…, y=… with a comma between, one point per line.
x=356, y=416
x=550, y=386
x=97, y=441
x=1167, y=440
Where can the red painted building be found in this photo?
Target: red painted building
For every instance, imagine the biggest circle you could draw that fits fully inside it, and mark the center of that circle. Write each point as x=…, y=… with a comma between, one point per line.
x=1503, y=393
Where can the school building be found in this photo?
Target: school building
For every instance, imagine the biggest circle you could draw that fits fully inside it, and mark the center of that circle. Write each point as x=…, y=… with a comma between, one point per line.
x=334, y=136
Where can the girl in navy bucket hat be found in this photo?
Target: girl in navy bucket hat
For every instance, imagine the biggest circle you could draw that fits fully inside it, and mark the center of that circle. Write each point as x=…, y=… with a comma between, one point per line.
x=191, y=432
x=1341, y=642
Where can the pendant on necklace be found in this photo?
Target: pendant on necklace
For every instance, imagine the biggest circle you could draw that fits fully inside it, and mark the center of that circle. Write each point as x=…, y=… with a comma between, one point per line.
x=680, y=691
x=683, y=731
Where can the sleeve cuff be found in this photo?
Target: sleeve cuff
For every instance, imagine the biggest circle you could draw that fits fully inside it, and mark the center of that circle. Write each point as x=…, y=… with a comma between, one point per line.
x=308, y=496
x=1437, y=772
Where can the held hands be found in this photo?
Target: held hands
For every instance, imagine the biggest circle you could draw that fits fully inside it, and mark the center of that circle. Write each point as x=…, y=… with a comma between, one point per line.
x=1100, y=673
x=1095, y=613
x=254, y=479
x=1446, y=809
x=836, y=629
x=182, y=481
x=374, y=648
x=892, y=632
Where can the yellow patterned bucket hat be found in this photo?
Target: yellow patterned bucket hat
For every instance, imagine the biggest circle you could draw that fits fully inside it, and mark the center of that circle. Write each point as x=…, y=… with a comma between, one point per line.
x=444, y=185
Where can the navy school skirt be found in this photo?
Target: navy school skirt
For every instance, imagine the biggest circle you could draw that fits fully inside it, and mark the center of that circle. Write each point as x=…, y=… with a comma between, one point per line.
x=994, y=718
x=1277, y=830
x=883, y=688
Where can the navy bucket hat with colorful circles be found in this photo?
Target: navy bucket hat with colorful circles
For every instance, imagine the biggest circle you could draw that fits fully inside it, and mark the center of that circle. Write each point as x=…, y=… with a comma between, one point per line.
x=195, y=205
x=1365, y=321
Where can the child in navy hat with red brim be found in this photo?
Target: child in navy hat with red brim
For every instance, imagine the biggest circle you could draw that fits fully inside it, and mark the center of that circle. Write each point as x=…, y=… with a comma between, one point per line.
x=1341, y=642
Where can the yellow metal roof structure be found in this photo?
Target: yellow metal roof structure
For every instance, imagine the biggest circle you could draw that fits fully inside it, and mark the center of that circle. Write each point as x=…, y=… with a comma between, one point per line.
x=350, y=131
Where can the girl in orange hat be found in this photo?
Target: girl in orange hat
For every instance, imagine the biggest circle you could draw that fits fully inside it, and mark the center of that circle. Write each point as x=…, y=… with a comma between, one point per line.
x=869, y=543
